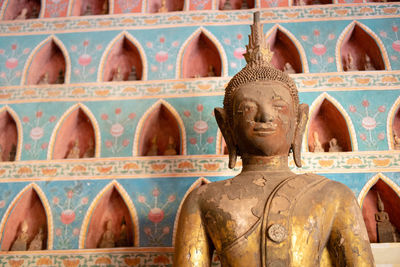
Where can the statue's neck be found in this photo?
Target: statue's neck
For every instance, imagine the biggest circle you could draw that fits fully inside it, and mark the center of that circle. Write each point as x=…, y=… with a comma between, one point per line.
x=265, y=163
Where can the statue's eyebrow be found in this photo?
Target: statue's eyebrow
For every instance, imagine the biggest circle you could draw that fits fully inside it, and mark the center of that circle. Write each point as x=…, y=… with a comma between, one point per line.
x=249, y=99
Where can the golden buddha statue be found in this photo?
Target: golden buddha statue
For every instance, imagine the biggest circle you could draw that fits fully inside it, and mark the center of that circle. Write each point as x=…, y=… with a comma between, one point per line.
x=268, y=215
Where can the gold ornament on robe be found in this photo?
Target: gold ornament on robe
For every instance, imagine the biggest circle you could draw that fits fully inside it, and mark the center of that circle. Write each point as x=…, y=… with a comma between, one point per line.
x=268, y=215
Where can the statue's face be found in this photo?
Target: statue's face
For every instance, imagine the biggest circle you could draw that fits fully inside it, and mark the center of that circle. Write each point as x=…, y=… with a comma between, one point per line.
x=263, y=118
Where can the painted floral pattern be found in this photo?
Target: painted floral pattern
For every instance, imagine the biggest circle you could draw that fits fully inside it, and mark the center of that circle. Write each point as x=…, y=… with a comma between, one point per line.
x=235, y=47
x=199, y=122
x=156, y=229
x=12, y=58
x=56, y=8
x=393, y=37
x=37, y=126
x=318, y=44
x=369, y=121
x=85, y=53
x=116, y=123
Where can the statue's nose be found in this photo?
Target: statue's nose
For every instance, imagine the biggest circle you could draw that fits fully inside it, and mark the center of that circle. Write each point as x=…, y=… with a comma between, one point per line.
x=267, y=115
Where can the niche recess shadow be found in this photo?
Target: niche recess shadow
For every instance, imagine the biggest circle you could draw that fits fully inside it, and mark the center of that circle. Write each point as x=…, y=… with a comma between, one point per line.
x=360, y=45
x=329, y=123
x=77, y=127
x=160, y=125
x=15, y=10
x=29, y=208
x=204, y=52
x=171, y=5
x=284, y=51
x=235, y=4
x=90, y=7
x=112, y=207
x=123, y=55
x=8, y=137
x=391, y=203
x=311, y=2
x=48, y=60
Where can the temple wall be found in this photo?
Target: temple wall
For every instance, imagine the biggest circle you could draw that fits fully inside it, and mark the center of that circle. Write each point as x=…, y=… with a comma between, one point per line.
x=57, y=91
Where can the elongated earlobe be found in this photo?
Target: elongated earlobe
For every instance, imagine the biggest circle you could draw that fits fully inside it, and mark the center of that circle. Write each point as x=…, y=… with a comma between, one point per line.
x=298, y=135
x=223, y=124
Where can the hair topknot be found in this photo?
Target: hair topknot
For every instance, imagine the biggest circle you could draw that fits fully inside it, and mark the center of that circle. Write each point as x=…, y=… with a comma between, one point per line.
x=259, y=72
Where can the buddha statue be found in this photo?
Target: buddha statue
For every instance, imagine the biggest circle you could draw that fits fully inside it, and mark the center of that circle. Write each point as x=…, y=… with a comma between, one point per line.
x=153, y=150
x=37, y=242
x=89, y=153
x=132, y=75
x=268, y=215
x=317, y=144
x=350, y=64
x=74, y=152
x=211, y=71
x=368, y=64
x=44, y=79
x=88, y=11
x=107, y=239
x=60, y=77
x=163, y=8
x=384, y=228
x=23, y=14
x=171, y=147
x=123, y=240
x=396, y=142
x=227, y=5
x=118, y=76
x=288, y=68
x=20, y=244
x=334, y=146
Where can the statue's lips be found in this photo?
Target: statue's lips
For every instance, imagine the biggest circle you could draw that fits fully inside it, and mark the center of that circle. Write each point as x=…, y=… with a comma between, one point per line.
x=264, y=130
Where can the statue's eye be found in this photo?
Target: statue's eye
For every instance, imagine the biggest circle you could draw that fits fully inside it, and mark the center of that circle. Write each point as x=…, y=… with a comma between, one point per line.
x=279, y=105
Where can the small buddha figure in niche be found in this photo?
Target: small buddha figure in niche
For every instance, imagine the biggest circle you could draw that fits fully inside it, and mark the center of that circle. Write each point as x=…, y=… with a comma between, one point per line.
x=163, y=8
x=88, y=11
x=1, y=153
x=23, y=14
x=74, y=152
x=89, y=153
x=211, y=71
x=44, y=79
x=244, y=5
x=34, y=13
x=227, y=5
x=302, y=3
x=20, y=244
x=396, y=140
x=267, y=215
x=349, y=63
x=107, y=239
x=60, y=77
x=334, y=146
x=117, y=76
x=171, y=148
x=123, y=240
x=368, y=64
x=132, y=75
x=13, y=152
x=317, y=144
x=153, y=150
x=37, y=242
x=288, y=68
x=384, y=228
x=104, y=9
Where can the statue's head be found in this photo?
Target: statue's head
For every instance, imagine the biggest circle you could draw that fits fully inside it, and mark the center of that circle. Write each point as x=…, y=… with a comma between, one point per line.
x=261, y=115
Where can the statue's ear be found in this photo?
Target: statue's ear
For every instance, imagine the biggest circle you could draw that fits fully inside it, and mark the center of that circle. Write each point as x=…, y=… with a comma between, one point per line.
x=298, y=135
x=223, y=124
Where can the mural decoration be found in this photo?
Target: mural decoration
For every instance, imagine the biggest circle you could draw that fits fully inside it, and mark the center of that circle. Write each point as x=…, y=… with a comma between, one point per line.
x=235, y=46
x=12, y=56
x=37, y=125
x=201, y=140
x=163, y=52
x=68, y=209
x=318, y=43
x=116, y=124
x=371, y=134
x=85, y=53
x=127, y=6
x=56, y=8
x=199, y=4
x=393, y=37
x=156, y=229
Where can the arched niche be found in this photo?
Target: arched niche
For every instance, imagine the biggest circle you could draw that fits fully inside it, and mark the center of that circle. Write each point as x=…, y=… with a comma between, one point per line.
x=90, y=7
x=160, y=133
x=122, y=61
x=110, y=206
x=311, y=2
x=74, y=135
x=235, y=4
x=26, y=207
x=162, y=6
x=22, y=9
x=328, y=122
x=359, y=50
x=203, y=51
x=393, y=126
x=391, y=203
x=48, y=65
x=285, y=51
x=199, y=182
x=8, y=136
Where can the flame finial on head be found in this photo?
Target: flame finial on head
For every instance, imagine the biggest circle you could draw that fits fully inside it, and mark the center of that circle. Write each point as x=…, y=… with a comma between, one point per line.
x=257, y=51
